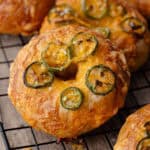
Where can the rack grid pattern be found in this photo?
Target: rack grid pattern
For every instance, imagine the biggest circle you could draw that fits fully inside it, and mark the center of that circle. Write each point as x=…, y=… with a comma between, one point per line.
x=16, y=134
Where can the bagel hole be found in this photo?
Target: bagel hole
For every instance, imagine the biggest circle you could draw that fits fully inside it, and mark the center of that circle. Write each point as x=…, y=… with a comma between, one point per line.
x=69, y=73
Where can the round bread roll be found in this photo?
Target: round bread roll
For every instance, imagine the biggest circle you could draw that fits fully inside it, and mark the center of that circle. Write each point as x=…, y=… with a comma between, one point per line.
x=68, y=85
x=115, y=20
x=22, y=16
x=135, y=133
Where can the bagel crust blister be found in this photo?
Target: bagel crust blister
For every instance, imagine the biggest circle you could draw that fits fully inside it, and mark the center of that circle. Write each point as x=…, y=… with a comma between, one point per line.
x=135, y=133
x=67, y=106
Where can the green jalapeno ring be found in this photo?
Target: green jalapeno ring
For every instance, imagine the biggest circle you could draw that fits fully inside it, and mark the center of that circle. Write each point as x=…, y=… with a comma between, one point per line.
x=87, y=13
x=140, y=144
x=104, y=31
x=65, y=9
x=44, y=74
x=73, y=104
x=56, y=69
x=147, y=126
x=92, y=88
x=76, y=41
x=131, y=27
x=118, y=7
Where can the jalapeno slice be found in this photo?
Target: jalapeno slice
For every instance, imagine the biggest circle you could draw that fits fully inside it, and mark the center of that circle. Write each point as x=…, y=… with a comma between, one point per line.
x=104, y=31
x=144, y=144
x=100, y=80
x=37, y=75
x=82, y=45
x=116, y=10
x=147, y=126
x=133, y=25
x=95, y=9
x=61, y=14
x=56, y=56
x=71, y=98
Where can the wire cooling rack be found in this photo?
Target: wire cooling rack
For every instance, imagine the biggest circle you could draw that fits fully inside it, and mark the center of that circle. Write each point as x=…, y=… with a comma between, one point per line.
x=16, y=134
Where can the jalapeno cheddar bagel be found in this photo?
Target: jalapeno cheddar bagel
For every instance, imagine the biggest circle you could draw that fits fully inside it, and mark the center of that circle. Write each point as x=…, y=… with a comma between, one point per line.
x=22, y=16
x=114, y=19
x=68, y=85
x=135, y=133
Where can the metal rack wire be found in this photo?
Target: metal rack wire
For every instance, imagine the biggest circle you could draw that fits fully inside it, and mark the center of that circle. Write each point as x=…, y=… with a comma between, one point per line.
x=102, y=138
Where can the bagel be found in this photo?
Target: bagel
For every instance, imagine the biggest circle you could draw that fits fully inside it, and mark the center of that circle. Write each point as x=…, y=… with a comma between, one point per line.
x=22, y=16
x=53, y=68
x=114, y=21
x=135, y=133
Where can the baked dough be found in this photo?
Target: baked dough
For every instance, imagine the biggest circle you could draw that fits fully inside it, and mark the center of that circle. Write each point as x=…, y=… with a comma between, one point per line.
x=134, y=130
x=22, y=16
x=41, y=107
x=136, y=47
x=142, y=5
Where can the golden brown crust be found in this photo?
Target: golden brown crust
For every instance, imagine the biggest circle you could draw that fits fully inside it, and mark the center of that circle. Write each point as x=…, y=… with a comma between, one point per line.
x=22, y=16
x=133, y=129
x=41, y=108
x=126, y=41
x=142, y=5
